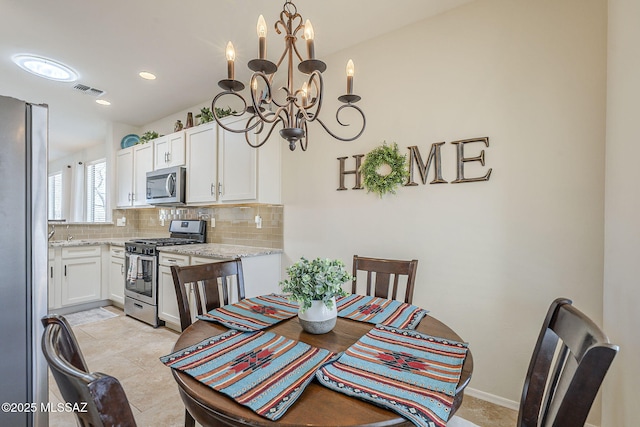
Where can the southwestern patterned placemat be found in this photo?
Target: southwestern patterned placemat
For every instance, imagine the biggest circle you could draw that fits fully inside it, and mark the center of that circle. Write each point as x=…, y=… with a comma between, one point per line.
x=405, y=371
x=253, y=314
x=260, y=370
x=380, y=311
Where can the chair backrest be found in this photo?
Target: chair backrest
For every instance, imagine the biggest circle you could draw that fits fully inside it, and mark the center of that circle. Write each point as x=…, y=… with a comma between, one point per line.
x=569, y=362
x=212, y=286
x=99, y=398
x=387, y=273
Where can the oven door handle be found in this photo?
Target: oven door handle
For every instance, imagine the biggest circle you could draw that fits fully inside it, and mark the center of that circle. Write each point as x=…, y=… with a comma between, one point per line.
x=142, y=257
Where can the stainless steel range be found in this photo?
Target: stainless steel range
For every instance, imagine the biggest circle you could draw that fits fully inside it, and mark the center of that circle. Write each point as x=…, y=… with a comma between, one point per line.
x=141, y=263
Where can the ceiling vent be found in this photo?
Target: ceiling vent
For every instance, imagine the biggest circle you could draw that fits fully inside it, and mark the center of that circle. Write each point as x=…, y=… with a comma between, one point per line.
x=89, y=90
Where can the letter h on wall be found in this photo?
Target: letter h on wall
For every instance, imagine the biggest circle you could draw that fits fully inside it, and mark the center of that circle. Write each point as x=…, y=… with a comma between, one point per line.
x=355, y=171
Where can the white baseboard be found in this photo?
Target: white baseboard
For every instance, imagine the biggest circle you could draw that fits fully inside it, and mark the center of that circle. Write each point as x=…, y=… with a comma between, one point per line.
x=500, y=401
x=492, y=398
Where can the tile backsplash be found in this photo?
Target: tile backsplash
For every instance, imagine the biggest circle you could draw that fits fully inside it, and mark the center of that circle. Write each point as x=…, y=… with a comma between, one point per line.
x=233, y=224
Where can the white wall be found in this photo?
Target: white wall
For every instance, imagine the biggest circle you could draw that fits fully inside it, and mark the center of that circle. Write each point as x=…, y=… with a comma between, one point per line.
x=492, y=255
x=622, y=228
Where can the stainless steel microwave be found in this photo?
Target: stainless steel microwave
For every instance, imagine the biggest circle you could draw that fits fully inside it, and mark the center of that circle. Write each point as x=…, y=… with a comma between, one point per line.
x=166, y=186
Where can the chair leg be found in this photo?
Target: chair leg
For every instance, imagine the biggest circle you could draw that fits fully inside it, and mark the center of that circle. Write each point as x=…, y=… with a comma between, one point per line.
x=188, y=419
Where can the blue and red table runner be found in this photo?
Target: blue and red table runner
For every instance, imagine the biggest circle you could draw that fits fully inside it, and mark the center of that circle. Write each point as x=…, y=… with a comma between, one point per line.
x=408, y=372
x=261, y=370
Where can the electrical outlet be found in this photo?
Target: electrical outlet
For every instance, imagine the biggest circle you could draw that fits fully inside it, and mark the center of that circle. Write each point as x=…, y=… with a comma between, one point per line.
x=121, y=222
x=258, y=221
x=213, y=222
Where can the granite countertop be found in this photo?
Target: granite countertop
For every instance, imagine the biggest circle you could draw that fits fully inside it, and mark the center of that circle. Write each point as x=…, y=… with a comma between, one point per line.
x=219, y=250
x=115, y=241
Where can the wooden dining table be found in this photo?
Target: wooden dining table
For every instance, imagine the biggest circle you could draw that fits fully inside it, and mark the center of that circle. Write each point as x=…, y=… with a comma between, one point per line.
x=318, y=405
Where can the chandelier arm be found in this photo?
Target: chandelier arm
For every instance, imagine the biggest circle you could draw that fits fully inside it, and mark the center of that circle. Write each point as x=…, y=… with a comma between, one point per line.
x=364, y=123
x=304, y=142
x=266, y=138
x=217, y=119
x=316, y=103
x=257, y=132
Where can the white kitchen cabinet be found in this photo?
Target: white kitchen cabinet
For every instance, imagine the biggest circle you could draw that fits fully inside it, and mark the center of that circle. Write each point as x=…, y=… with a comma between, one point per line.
x=169, y=150
x=167, y=300
x=261, y=274
x=124, y=175
x=81, y=275
x=132, y=165
x=237, y=166
x=223, y=168
x=201, y=162
x=53, y=280
x=116, y=275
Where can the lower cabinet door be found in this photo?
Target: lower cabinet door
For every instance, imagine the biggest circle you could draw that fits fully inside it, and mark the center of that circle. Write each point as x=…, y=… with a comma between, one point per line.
x=81, y=280
x=167, y=299
x=116, y=280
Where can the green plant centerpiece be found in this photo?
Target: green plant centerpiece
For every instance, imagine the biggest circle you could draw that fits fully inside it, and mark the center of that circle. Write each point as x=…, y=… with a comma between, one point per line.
x=377, y=158
x=315, y=285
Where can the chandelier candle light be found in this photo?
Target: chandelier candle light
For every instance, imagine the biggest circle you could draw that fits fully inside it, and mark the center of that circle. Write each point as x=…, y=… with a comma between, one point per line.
x=301, y=104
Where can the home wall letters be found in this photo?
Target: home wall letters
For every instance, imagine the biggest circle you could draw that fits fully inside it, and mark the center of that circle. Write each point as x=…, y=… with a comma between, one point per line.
x=434, y=160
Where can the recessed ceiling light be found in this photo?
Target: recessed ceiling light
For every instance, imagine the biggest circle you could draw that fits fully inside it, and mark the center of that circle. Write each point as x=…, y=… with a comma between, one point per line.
x=103, y=102
x=45, y=67
x=147, y=75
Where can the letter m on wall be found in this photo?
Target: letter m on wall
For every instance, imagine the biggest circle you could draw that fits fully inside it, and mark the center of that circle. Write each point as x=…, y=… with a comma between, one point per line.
x=435, y=159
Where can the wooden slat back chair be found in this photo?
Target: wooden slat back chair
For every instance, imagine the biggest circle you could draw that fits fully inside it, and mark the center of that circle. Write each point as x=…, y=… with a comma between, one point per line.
x=569, y=362
x=213, y=286
x=105, y=400
x=387, y=273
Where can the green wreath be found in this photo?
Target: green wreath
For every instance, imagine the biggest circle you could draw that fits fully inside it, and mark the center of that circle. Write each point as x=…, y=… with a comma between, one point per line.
x=382, y=184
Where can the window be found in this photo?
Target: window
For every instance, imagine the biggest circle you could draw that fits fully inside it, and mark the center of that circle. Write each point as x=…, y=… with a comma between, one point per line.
x=55, y=196
x=96, y=182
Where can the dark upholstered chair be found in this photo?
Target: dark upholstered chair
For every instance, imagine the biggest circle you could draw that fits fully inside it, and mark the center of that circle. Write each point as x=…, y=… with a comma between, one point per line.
x=212, y=288
x=387, y=273
x=569, y=362
x=106, y=402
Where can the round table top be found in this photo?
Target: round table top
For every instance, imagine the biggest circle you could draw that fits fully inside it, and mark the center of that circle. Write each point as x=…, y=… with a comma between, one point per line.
x=318, y=405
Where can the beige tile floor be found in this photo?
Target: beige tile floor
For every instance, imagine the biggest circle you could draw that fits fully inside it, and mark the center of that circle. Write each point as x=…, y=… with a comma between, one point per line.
x=129, y=350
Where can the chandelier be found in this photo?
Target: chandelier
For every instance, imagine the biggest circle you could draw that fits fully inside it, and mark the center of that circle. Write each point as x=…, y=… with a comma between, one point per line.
x=301, y=104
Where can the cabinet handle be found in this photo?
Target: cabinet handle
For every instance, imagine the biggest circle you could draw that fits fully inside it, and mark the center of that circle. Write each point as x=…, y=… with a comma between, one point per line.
x=121, y=270
x=220, y=188
x=168, y=157
x=212, y=189
x=65, y=270
x=51, y=271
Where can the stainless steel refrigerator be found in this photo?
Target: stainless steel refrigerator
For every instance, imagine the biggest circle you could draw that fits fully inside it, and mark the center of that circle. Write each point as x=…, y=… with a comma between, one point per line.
x=23, y=260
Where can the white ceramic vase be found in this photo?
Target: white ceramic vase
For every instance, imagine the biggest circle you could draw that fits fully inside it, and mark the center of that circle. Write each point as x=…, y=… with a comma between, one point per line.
x=318, y=319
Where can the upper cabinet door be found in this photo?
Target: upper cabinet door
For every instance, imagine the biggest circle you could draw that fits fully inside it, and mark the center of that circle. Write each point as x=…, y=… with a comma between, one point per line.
x=142, y=163
x=124, y=175
x=237, y=169
x=169, y=150
x=201, y=162
x=161, y=148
